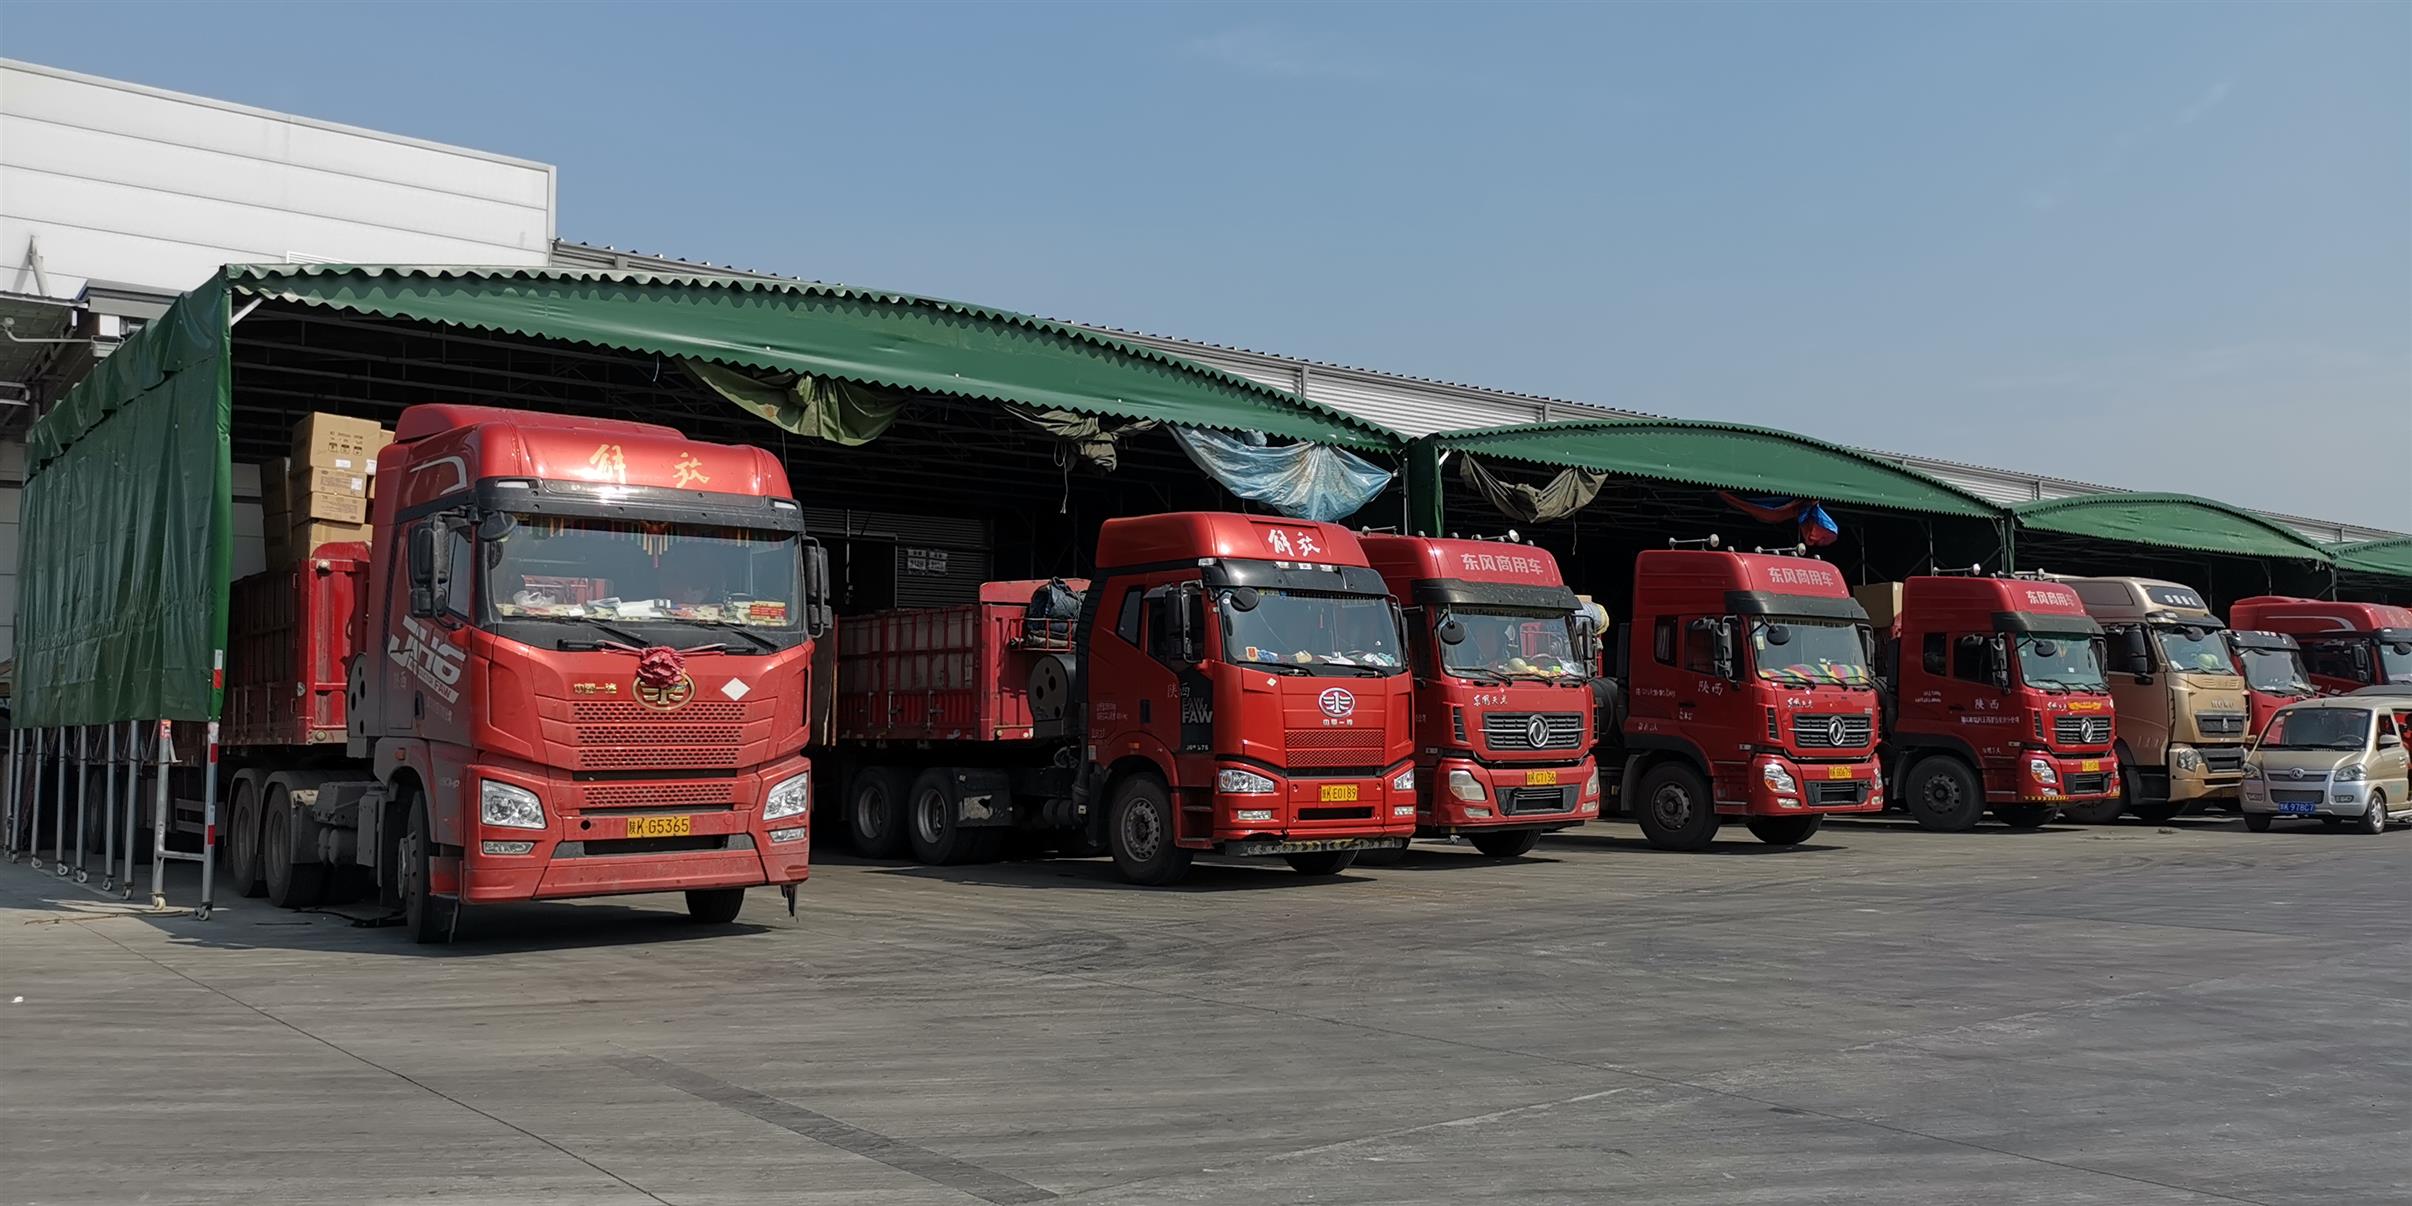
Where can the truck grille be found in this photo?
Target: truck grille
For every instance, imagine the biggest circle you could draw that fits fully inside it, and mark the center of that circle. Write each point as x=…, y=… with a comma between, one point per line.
x=2082, y=730
x=668, y=797
x=621, y=735
x=2227, y=760
x=1535, y=799
x=1515, y=730
x=1333, y=747
x=1831, y=793
x=2220, y=724
x=1831, y=732
x=2089, y=785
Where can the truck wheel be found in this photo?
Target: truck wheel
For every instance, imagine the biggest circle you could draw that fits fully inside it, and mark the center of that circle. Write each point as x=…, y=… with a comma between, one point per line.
x=1322, y=862
x=1674, y=808
x=2023, y=816
x=714, y=906
x=1141, y=833
x=292, y=882
x=428, y=917
x=2258, y=822
x=2374, y=818
x=239, y=854
x=1386, y=856
x=1944, y=795
x=934, y=823
x=2157, y=814
x=1514, y=843
x=2100, y=812
x=875, y=812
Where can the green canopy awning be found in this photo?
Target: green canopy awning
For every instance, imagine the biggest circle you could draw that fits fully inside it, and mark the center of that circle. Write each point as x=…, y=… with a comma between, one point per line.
x=1723, y=456
x=2170, y=521
x=2391, y=556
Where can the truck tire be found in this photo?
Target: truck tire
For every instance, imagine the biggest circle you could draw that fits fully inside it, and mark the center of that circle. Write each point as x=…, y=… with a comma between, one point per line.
x=1784, y=831
x=292, y=882
x=934, y=822
x=1322, y=862
x=875, y=812
x=1512, y=843
x=1386, y=856
x=714, y=906
x=2158, y=813
x=2023, y=816
x=1942, y=794
x=1675, y=809
x=1141, y=832
x=2100, y=812
x=2257, y=822
x=427, y=916
x=239, y=853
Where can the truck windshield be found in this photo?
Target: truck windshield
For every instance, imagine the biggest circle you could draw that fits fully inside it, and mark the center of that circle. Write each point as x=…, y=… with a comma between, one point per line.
x=2065, y=663
x=2194, y=650
x=1501, y=644
x=1808, y=653
x=2396, y=661
x=550, y=567
x=2274, y=671
x=1312, y=634
x=2318, y=729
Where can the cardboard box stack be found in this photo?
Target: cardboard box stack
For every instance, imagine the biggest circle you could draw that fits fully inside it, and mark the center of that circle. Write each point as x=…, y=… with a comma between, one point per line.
x=327, y=484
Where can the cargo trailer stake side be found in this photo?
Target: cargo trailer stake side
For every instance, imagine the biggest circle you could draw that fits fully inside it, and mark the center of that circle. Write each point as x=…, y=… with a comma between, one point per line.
x=1227, y=684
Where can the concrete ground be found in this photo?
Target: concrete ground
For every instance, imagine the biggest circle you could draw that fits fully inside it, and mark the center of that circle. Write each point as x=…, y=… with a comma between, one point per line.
x=2124, y=1015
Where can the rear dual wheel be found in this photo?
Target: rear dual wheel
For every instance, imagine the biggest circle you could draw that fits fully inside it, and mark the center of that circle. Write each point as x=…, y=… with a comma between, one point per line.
x=295, y=879
x=875, y=812
x=938, y=835
x=239, y=853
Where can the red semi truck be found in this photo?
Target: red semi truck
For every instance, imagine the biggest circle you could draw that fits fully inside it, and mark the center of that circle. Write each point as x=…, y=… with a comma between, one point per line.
x=1995, y=698
x=2272, y=666
x=571, y=660
x=1747, y=696
x=1227, y=683
x=2346, y=646
x=1502, y=654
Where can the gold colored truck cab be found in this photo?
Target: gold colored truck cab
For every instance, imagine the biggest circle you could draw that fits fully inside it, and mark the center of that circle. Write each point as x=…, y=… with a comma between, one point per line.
x=2183, y=714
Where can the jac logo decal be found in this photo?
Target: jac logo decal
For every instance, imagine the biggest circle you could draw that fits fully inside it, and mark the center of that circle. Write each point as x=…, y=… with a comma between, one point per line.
x=1336, y=702
x=666, y=699
x=1292, y=544
x=431, y=659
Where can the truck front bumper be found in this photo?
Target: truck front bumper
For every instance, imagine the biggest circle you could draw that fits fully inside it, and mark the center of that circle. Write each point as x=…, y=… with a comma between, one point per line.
x=2072, y=779
x=1773, y=785
x=674, y=844
x=1305, y=807
x=1460, y=795
x=2205, y=773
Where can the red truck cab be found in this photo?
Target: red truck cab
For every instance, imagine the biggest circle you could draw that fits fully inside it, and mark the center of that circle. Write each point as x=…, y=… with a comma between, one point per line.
x=1230, y=684
x=2346, y=646
x=1748, y=695
x=586, y=664
x=2272, y=666
x=1502, y=657
x=1997, y=699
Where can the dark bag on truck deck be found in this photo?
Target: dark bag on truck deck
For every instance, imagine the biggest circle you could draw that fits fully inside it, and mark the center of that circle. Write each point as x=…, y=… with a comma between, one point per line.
x=1053, y=609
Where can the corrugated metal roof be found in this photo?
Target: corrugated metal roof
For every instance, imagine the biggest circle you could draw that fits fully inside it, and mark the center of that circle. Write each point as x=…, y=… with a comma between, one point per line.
x=2392, y=556
x=2175, y=521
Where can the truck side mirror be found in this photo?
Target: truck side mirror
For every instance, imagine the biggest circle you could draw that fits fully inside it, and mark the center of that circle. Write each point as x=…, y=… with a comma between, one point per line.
x=1182, y=616
x=1452, y=631
x=1586, y=644
x=1724, y=650
x=2135, y=651
x=1998, y=661
x=819, y=613
x=422, y=556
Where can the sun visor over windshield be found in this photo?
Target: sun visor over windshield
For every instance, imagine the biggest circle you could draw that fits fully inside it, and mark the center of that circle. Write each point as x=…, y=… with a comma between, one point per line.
x=1807, y=607
x=2036, y=621
x=652, y=504
x=1299, y=576
x=1454, y=592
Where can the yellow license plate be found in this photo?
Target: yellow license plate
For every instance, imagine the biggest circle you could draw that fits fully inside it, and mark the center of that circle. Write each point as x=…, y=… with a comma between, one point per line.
x=652, y=827
x=1838, y=772
x=2090, y=764
x=1547, y=778
x=1339, y=793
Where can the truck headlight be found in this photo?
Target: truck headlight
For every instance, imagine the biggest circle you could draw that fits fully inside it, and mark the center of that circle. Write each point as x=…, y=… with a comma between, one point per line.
x=2351, y=772
x=1464, y=786
x=2187, y=759
x=1591, y=784
x=2042, y=771
x=2252, y=770
x=1404, y=780
x=792, y=796
x=1779, y=779
x=1231, y=780
x=508, y=806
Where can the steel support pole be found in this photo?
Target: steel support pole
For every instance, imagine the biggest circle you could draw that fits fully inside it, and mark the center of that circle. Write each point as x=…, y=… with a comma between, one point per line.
x=109, y=808
x=209, y=821
x=83, y=800
x=32, y=849
x=58, y=821
x=125, y=886
x=16, y=740
x=159, y=815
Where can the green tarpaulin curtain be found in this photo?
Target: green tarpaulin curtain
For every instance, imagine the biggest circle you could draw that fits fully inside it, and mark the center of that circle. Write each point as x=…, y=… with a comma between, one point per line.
x=823, y=408
x=127, y=531
x=1570, y=491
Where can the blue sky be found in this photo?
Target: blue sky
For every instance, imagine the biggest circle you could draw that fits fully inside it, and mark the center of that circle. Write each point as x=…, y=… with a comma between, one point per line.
x=2155, y=246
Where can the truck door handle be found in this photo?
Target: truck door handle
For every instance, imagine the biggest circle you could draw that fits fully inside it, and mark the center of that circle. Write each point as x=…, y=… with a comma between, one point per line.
x=418, y=704
x=1146, y=713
